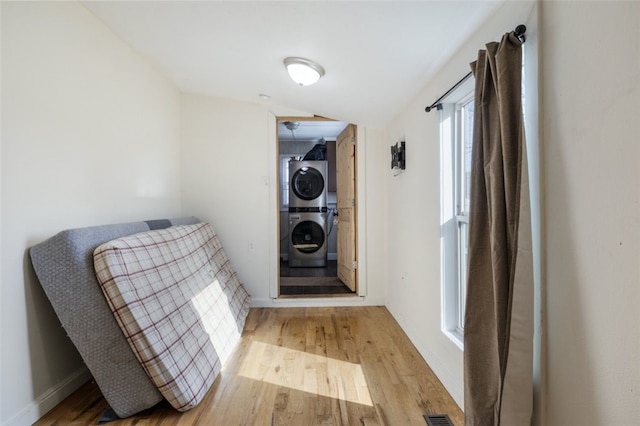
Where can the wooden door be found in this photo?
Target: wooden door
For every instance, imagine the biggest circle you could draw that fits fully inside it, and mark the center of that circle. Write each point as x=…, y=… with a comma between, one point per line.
x=346, y=194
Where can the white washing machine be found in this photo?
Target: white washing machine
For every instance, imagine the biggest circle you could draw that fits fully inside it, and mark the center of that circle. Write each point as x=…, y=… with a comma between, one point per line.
x=308, y=239
x=307, y=184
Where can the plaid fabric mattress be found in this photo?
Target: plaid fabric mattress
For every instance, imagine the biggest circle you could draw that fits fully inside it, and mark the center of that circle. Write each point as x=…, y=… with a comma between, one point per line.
x=179, y=303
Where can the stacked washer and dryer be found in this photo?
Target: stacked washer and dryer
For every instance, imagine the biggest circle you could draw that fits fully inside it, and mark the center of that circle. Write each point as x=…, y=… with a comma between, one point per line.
x=307, y=214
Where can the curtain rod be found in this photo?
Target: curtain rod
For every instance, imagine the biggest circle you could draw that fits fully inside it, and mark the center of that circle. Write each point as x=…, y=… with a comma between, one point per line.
x=519, y=32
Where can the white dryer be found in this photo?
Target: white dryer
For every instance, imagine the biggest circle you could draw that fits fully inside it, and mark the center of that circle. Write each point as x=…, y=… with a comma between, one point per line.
x=307, y=184
x=308, y=239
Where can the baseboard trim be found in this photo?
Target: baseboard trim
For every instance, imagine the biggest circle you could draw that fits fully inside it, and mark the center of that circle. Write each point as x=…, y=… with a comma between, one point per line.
x=50, y=398
x=447, y=379
x=313, y=302
x=453, y=386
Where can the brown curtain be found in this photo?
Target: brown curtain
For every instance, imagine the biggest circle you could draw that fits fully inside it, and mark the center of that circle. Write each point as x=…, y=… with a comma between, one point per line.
x=497, y=178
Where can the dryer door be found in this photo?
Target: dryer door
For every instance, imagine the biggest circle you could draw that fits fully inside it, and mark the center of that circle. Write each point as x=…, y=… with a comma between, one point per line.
x=307, y=183
x=307, y=237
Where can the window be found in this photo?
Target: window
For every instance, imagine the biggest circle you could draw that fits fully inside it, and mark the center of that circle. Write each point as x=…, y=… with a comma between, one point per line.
x=456, y=133
x=284, y=181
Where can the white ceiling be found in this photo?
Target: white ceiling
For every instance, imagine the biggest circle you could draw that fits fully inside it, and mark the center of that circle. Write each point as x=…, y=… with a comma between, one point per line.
x=377, y=54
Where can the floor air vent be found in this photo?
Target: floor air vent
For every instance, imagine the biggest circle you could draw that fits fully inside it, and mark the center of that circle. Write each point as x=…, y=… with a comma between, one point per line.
x=437, y=420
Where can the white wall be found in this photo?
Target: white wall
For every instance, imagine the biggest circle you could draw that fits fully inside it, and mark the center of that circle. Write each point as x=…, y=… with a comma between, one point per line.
x=591, y=110
x=90, y=135
x=372, y=151
x=229, y=176
x=225, y=179
x=413, y=209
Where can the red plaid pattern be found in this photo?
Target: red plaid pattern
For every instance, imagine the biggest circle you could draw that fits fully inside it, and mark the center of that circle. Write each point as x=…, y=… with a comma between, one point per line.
x=179, y=303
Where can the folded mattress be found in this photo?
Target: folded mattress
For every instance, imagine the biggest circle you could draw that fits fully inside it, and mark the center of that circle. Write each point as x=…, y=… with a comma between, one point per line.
x=179, y=304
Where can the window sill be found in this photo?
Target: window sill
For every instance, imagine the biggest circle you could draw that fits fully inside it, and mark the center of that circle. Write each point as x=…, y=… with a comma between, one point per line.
x=456, y=337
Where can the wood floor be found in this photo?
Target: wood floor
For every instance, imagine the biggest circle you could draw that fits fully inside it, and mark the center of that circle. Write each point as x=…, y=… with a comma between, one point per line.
x=302, y=366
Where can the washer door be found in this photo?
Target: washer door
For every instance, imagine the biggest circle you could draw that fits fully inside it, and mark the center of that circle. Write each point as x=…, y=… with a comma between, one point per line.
x=307, y=237
x=307, y=183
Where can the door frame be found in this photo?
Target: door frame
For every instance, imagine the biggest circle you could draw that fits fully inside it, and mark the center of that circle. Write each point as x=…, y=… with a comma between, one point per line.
x=274, y=207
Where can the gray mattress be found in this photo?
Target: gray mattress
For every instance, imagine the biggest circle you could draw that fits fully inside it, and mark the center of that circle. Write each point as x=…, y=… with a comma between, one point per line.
x=64, y=266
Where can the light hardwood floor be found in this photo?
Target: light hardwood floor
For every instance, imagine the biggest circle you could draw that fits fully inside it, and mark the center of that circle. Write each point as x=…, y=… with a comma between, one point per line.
x=302, y=366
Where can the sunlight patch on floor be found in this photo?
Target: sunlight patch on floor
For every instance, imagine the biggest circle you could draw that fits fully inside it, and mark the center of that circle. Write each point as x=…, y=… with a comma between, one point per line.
x=306, y=372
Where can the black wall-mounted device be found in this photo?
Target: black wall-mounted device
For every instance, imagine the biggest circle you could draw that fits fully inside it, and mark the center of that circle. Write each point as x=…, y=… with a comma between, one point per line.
x=398, y=156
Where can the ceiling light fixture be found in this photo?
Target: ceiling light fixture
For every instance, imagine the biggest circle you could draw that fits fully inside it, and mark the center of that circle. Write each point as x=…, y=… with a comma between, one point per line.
x=303, y=71
x=292, y=125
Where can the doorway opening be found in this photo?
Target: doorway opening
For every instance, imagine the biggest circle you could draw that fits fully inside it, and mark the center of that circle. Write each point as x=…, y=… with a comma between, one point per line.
x=316, y=201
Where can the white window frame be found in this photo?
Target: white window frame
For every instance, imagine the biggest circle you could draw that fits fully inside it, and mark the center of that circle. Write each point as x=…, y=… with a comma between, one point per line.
x=454, y=214
x=284, y=182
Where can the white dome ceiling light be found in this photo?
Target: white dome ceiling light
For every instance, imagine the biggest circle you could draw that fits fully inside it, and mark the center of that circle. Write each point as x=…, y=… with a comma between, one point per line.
x=303, y=71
